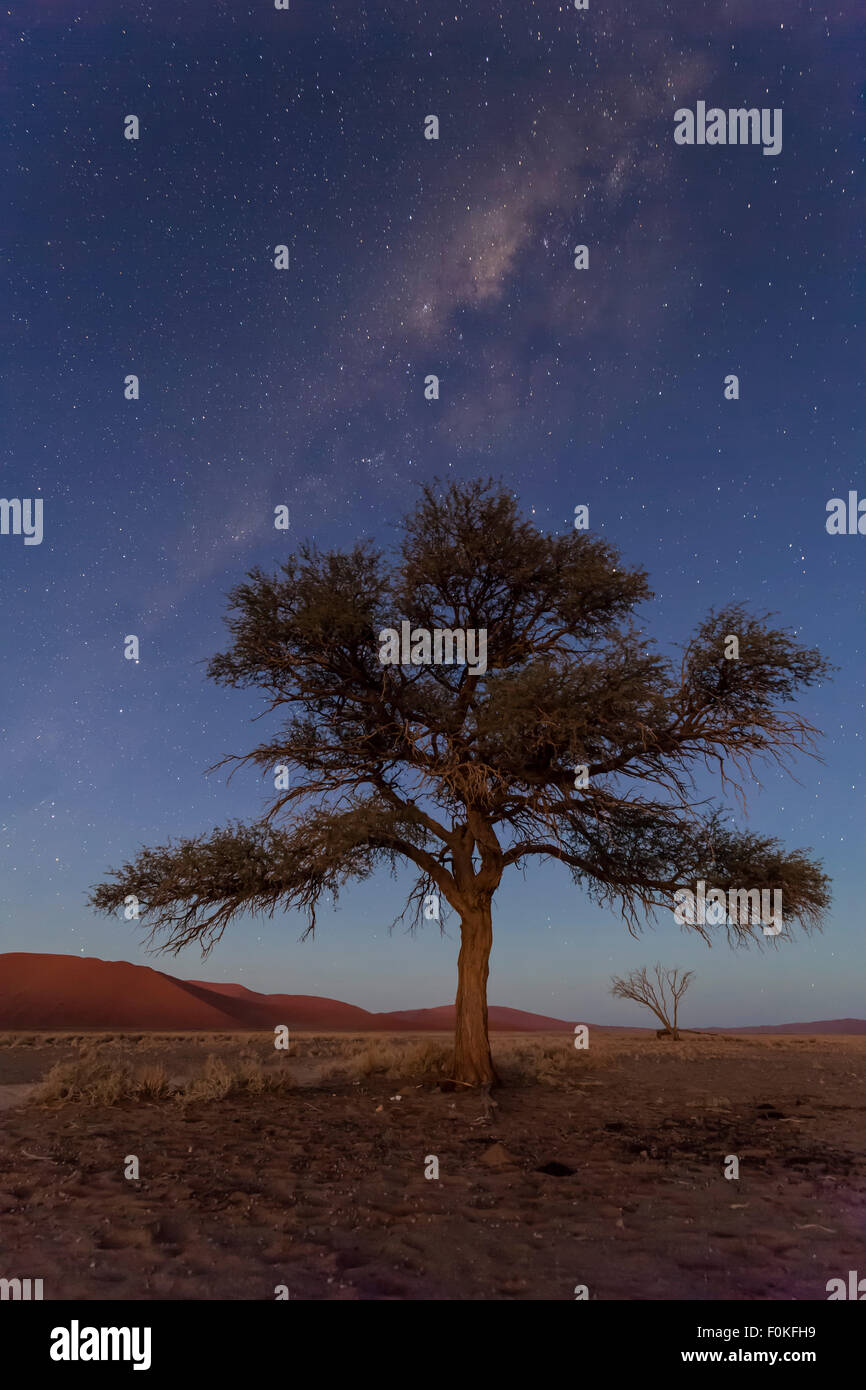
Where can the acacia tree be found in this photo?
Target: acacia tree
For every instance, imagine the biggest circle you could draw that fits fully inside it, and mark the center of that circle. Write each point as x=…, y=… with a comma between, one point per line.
x=463, y=775
x=663, y=997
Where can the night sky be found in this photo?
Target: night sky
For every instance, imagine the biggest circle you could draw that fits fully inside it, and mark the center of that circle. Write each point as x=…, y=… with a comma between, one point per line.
x=305, y=387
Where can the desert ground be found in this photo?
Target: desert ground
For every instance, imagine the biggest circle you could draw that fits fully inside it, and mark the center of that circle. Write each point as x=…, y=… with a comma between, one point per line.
x=305, y=1169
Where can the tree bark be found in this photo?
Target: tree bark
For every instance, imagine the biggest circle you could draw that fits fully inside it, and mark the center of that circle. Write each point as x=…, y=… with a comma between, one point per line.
x=473, y=1063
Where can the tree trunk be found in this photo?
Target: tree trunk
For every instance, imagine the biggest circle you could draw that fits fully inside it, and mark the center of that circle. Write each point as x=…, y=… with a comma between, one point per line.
x=473, y=1063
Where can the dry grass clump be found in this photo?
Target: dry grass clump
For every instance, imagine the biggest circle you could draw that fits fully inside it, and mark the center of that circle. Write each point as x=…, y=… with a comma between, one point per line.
x=152, y=1083
x=98, y=1079
x=107, y=1072
x=248, y=1075
x=394, y=1061
x=550, y=1061
x=87, y=1079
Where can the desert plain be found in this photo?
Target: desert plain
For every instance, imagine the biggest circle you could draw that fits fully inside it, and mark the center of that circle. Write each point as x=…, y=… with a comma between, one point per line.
x=308, y=1173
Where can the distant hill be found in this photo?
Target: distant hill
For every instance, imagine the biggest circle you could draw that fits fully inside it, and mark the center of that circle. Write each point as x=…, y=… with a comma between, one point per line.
x=823, y=1025
x=43, y=992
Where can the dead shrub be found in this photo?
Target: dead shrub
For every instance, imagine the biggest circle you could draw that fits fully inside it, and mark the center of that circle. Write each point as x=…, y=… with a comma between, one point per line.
x=99, y=1082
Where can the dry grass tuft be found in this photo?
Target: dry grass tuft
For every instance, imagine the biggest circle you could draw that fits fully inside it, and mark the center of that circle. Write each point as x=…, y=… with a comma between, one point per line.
x=395, y=1061
x=87, y=1079
x=101, y=1080
x=248, y=1075
x=152, y=1083
x=549, y=1061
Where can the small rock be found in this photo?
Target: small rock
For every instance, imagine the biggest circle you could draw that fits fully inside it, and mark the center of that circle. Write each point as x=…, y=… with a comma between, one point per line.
x=496, y=1156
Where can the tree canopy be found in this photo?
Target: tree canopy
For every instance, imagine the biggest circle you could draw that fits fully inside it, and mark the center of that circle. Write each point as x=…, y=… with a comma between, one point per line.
x=462, y=774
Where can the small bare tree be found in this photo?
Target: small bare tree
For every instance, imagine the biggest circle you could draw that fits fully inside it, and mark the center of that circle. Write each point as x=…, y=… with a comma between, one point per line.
x=663, y=996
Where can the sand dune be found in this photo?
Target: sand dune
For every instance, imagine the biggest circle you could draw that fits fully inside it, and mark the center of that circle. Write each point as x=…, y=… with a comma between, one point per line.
x=846, y=1026
x=54, y=991
x=302, y=1010
x=48, y=991
x=41, y=992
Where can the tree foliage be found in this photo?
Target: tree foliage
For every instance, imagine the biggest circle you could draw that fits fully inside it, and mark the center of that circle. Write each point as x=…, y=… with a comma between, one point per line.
x=463, y=775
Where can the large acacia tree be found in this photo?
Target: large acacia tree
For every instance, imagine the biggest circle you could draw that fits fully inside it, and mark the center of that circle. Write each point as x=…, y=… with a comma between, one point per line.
x=463, y=775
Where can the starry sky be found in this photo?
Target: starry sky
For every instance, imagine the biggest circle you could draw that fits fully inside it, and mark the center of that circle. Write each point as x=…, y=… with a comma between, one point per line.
x=305, y=387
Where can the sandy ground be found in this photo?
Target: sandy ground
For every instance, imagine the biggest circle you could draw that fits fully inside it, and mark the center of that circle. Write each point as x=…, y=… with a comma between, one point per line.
x=609, y=1177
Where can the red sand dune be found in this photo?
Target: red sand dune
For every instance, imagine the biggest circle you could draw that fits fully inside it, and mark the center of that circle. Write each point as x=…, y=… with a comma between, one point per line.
x=303, y=1010
x=825, y=1025
x=66, y=992
x=42, y=992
